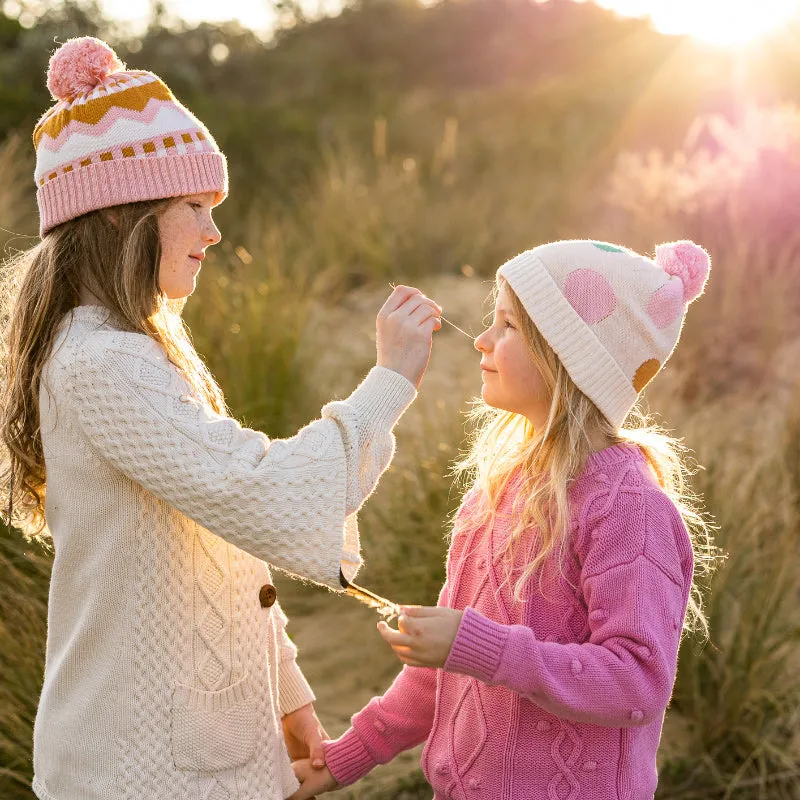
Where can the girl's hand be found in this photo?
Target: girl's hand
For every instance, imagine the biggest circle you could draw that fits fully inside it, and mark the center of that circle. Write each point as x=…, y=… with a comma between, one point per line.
x=312, y=781
x=304, y=735
x=425, y=634
x=404, y=328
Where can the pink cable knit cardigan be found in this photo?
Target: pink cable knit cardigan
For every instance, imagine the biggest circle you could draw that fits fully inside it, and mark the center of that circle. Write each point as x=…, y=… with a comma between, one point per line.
x=561, y=697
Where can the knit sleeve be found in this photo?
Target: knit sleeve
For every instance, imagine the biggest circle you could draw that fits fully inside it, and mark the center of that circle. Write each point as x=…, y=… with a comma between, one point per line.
x=289, y=502
x=635, y=582
x=294, y=690
x=387, y=725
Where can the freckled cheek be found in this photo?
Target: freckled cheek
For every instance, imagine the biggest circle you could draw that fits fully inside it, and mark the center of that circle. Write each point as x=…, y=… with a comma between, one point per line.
x=504, y=361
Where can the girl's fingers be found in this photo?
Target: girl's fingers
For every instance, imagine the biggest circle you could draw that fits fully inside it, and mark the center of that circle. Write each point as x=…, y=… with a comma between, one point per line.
x=421, y=611
x=410, y=658
x=302, y=769
x=423, y=299
x=396, y=299
x=435, y=323
x=407, y=625
x=393, y=637
x=422, y=314
x=314, y=744
x=413, y=302
x=418, y=309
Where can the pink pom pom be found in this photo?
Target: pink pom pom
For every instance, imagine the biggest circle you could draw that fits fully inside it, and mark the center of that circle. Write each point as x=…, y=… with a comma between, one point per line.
x=687, y=261
x=79, y=65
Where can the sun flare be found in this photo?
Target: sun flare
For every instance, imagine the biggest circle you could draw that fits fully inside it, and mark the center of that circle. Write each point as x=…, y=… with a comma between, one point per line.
x=719, y=22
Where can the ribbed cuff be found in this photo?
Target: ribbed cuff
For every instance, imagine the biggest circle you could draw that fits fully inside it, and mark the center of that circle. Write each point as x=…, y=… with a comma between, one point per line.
x=293, y=689
x=478, y=647
x=381, y=399
x=347, y=758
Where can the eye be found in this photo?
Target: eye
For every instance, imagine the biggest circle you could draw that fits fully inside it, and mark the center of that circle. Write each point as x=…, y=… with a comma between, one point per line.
x=509, y=325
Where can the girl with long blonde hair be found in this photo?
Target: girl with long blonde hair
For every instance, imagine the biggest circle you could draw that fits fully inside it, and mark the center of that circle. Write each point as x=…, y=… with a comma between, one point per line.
x=169, y=674
x=547, y=666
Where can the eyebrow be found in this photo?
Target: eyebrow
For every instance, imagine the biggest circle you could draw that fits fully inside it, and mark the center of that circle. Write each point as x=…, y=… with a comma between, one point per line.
x=504, y=311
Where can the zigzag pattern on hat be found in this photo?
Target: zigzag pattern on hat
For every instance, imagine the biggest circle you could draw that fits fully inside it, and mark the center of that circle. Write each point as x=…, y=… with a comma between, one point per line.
x=157, y=121
x=132, y=99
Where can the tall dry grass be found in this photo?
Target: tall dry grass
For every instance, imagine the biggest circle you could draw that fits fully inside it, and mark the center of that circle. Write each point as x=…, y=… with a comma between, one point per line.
x=734, y=393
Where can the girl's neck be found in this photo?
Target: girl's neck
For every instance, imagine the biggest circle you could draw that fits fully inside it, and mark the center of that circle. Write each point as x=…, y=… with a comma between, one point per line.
x=88, y=298
x=599, y=441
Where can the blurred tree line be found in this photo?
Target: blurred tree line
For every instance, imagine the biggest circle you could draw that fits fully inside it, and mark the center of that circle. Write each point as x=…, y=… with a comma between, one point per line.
x=275, y=107
x=526, y=82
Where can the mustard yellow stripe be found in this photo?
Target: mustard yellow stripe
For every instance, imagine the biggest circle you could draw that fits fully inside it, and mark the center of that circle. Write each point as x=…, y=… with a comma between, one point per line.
x=92, y=112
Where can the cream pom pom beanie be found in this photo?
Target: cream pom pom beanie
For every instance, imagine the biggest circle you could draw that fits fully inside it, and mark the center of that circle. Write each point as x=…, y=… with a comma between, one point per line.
x=612, y=316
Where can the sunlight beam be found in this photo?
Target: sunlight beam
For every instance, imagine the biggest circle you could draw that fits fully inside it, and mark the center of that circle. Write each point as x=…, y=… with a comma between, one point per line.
x=719, y=22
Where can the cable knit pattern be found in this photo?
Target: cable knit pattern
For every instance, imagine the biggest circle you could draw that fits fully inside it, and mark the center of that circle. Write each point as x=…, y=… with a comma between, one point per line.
x=165, y=678
x=562, y=696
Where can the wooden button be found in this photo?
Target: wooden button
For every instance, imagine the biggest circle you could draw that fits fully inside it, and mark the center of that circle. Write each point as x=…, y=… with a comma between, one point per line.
x=267, y=595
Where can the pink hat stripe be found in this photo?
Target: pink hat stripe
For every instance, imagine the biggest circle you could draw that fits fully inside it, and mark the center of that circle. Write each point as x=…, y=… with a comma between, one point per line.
x=118, y=151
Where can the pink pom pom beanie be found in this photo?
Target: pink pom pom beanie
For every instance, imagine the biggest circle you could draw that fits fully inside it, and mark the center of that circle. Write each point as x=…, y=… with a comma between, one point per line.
x=612, y=316
x=116, y=136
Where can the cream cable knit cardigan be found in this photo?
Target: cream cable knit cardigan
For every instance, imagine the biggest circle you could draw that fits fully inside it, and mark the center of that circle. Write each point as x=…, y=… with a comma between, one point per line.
x=165, y=678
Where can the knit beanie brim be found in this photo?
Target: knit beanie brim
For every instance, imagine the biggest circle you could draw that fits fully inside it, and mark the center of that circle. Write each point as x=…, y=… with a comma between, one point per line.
x=78, y=192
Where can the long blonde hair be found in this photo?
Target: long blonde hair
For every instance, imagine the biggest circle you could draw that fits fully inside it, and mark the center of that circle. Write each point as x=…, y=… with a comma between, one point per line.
x=506, y=447
x=115, y=254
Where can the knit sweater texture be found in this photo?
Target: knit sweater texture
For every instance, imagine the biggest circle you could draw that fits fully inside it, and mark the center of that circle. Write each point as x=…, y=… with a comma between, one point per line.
x=165, y=677
x=561, y=696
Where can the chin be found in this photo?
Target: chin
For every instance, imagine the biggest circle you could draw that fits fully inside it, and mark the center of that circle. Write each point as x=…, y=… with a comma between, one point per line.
x=179, y=293
x=488, y=399
x=496, y=402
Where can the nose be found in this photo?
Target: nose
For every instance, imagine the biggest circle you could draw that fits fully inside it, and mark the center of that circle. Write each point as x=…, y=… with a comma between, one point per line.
x=211, y=234
x=482, y=342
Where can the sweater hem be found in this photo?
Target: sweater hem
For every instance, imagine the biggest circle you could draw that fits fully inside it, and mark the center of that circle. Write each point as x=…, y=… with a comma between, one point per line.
x=40, y=791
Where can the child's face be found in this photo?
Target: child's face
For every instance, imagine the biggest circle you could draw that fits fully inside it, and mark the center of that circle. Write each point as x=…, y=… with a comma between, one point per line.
x=186, y=230
x=511, y=380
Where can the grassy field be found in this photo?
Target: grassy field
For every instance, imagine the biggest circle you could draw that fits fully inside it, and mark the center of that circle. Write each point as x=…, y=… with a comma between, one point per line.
x=285, y=319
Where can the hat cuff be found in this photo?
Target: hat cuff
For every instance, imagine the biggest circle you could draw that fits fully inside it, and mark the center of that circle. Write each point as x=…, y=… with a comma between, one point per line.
x=592, y=368
x=111, y=183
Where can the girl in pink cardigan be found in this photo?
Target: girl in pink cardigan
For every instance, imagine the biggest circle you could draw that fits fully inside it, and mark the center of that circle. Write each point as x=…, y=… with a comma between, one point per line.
x=545, y=669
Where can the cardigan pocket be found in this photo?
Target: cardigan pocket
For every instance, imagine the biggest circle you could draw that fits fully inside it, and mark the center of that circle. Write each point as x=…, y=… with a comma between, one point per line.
x=214, y=731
